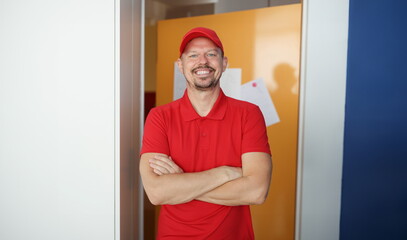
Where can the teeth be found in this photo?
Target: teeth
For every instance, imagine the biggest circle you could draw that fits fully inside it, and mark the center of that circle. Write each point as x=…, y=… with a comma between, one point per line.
x=202, y=72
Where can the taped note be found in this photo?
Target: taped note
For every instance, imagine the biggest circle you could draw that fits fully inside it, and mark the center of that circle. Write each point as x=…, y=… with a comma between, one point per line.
x=256, y=92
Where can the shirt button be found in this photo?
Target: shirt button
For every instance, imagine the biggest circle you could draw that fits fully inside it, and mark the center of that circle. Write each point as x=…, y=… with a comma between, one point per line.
x=203, y=134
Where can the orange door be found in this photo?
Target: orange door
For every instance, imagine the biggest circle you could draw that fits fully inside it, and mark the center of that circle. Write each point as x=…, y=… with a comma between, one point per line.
x=264, y=43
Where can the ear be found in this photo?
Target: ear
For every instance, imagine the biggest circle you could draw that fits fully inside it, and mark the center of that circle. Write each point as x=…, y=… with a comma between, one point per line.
x=225, y=63
x=180, y=66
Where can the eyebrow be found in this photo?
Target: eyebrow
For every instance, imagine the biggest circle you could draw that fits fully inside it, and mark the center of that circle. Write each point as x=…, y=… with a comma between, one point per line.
x=195, y=51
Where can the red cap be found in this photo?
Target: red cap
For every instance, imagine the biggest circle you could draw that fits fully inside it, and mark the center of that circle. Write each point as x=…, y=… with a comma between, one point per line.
x=200, y=32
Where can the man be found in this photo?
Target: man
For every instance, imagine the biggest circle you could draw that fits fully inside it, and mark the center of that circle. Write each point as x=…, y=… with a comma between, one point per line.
x=205, y=157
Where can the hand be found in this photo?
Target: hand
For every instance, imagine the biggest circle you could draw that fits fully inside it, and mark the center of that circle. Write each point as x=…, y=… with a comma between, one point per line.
x=162, y=165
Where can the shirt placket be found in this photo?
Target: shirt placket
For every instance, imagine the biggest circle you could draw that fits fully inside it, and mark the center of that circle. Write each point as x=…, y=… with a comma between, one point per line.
x=203, y=133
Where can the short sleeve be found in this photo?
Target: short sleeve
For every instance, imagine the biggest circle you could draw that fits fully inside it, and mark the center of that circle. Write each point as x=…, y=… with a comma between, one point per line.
x=255, y=133
x=155, y=135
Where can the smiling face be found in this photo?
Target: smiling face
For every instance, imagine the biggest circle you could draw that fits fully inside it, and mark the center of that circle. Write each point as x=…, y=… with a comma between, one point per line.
x=202, y=64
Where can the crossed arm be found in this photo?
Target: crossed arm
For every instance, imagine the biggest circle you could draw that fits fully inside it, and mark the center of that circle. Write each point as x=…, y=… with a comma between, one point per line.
x=166, y=183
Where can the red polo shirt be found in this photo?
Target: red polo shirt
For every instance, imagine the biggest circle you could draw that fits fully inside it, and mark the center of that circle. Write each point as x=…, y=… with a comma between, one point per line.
x=196, y=144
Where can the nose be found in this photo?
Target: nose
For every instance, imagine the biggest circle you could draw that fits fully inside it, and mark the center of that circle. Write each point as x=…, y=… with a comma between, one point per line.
x=202, y=59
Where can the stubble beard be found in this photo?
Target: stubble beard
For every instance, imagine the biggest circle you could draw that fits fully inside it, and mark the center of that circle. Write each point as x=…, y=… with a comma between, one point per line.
x=208, y=86
x=205, y=86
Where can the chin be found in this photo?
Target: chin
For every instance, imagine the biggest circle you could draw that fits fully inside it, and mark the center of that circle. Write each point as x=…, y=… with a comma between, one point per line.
x=206, y=87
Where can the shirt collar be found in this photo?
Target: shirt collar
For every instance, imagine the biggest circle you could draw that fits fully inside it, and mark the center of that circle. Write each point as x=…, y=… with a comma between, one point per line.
x=217, y=112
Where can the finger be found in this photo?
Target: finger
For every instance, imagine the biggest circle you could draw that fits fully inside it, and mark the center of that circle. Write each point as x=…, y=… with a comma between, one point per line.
x=159, y=168
x=157, y=172
x=176, y=167
x=165, y=163
x=162, y=161
x=162, y=164
x=168, y=160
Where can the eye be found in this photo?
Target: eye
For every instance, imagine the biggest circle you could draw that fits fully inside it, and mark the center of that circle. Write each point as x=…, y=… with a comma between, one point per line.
x=212, y=55
x=193, y=56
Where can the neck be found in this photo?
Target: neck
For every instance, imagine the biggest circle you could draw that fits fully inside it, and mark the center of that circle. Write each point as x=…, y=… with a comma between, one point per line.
x=203, y=101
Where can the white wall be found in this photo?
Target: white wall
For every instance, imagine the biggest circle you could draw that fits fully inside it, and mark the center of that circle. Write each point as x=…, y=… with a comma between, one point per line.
x=322, y=107
x=60, y=120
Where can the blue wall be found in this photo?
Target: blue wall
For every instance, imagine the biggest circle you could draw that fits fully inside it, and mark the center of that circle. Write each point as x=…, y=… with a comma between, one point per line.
x=374, y=194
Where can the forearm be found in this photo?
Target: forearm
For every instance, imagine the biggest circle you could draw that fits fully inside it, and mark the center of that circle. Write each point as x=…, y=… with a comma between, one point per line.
x=181, y=187
x=184, y=187
x=241, y=191
x=250, y=189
